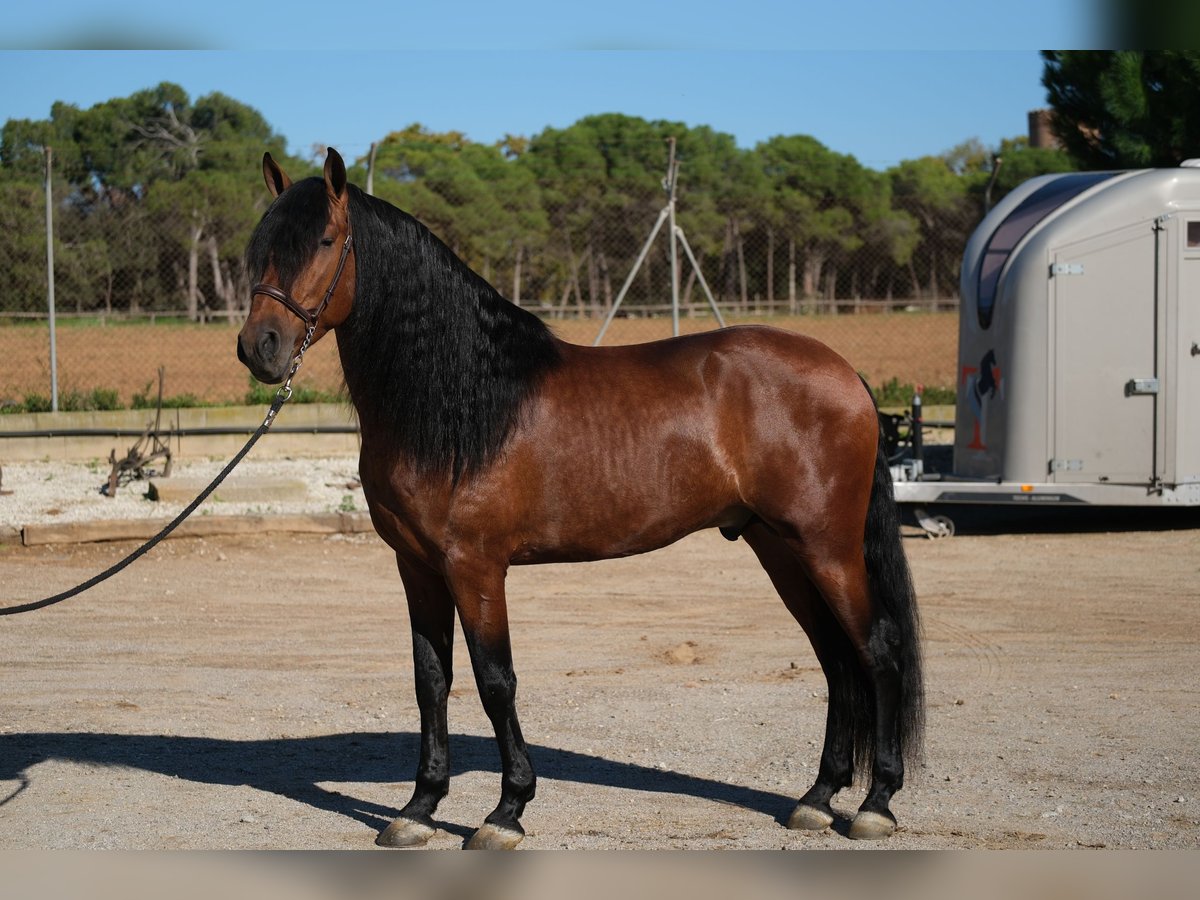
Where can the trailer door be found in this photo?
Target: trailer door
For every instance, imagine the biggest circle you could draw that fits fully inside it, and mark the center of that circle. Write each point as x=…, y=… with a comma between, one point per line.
x=1183, y=354
x=1105, y=378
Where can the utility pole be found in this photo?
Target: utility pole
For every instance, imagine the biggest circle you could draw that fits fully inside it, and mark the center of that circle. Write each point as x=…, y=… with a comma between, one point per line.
x=371, y=170
x=50, y=284
x=997, y=161
x=676, y=234
x=672, y=170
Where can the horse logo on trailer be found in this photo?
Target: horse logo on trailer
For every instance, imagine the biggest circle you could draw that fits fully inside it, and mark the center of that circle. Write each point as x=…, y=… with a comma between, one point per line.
x=982, y=384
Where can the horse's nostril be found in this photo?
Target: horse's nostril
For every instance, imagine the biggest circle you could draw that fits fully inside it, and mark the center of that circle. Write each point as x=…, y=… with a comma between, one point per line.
x=268, y=344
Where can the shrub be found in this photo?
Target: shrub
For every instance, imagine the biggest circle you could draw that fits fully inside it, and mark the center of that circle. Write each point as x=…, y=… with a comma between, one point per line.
x=147, y=398
x=260, y=394
x=893, y=393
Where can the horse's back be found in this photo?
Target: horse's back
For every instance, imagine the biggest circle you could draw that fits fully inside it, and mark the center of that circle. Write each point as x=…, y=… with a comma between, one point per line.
x=736, y=372
x=759, y=350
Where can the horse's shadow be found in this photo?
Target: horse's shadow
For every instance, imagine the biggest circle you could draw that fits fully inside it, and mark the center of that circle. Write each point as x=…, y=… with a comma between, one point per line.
x=295, y=767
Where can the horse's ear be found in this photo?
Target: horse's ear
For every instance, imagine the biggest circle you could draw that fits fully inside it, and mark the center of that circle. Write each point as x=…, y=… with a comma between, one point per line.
x=335, y=175
x=276, y=179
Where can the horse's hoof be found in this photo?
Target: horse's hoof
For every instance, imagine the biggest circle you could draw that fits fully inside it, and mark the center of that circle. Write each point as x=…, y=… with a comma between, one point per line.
x=809, y=818
x=871, y=826
x=405, y=833
x=493, y=837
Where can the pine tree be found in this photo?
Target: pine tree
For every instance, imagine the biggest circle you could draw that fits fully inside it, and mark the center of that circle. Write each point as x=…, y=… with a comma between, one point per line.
x=1120, y=109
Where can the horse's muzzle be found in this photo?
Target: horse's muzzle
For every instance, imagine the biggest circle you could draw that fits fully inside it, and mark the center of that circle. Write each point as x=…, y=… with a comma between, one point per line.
x=264, y=355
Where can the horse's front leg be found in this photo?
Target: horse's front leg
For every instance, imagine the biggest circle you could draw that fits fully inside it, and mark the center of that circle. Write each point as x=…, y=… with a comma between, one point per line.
x=478, y=590
x=431, y=612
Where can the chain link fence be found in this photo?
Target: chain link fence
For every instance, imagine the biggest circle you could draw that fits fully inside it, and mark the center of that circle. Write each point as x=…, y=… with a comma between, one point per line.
x=133, y=295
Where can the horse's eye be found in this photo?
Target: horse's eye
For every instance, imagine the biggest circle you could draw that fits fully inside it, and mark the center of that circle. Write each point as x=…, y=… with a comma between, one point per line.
x=327, y=242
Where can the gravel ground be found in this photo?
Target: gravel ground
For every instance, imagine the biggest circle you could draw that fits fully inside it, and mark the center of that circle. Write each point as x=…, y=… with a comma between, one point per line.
x=203, y=700
x=49, y=492
x=256, y=692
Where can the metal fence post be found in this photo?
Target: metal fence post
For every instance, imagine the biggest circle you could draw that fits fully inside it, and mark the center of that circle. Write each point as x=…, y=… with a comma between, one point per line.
x=50, y=284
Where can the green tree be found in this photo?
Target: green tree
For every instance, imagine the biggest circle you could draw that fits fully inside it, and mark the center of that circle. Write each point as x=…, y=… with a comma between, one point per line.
x=601, y=181
x=476, y=197
x=889, y=243
x=23, y=250
x=930, y=191
x=148, y=181
x=1019, y=162
x=824, y=199
x=409, y=163
x=571, y=173
x=1120, y=109
x=723, y=201
x=201, y=164
x=514, y=224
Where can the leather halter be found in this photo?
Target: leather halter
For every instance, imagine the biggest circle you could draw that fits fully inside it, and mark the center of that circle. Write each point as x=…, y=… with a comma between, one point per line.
x=309, y=316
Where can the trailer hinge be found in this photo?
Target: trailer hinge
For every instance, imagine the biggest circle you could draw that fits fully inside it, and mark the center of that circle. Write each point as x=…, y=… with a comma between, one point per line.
x=1066, y=269
x=1066, y=465
x=1138, y=386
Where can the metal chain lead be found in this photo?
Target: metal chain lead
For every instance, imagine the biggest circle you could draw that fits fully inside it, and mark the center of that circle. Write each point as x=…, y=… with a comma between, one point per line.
x=284, y=394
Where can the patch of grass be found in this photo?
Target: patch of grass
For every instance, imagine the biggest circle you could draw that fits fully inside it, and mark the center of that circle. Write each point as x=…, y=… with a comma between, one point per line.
x=96, y=398
x=260, y=394
x=895, y=393
x=147, y=398
x=102, y=399
x=68, y=401
x=31, y=403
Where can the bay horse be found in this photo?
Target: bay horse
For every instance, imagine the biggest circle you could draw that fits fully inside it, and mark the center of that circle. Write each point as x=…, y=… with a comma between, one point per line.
x=488, y=442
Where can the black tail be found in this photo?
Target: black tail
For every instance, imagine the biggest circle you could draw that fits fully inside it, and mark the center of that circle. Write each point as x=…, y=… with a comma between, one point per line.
x=852, y=712
x=895, y=600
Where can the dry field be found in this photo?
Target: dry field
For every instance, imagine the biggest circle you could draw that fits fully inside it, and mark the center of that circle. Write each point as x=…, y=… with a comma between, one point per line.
x=201, y=359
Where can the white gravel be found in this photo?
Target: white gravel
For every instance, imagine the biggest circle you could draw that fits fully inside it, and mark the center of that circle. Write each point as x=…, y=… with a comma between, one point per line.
x=49, y=492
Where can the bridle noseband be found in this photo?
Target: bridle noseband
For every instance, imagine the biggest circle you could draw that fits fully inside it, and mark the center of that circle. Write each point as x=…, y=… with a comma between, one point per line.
x=308, y=316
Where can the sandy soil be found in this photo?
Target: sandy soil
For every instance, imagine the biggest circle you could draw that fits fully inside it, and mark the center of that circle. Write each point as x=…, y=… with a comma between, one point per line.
x=258, y=694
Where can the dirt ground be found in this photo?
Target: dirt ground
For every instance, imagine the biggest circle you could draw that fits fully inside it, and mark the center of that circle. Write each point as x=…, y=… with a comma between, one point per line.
x=257, y=693
x=917, y=348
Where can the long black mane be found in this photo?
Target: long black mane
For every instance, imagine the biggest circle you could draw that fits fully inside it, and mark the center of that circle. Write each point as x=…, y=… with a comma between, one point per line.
x=435, y=360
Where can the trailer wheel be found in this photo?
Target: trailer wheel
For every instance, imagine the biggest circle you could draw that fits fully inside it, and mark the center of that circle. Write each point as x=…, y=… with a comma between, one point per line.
x=945, y=527
x=935, y=527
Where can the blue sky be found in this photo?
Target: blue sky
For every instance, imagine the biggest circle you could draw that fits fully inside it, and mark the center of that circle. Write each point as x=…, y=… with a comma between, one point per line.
x=866, y=77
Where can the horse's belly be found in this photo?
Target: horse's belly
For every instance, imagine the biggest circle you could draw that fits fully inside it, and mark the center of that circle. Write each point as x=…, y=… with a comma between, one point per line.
x=595, y=533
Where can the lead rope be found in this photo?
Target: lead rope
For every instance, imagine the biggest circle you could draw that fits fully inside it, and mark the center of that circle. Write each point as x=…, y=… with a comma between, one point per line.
x=281, y=397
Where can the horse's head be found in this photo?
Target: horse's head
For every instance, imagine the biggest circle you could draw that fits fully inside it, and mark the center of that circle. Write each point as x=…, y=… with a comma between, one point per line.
x=301, y=261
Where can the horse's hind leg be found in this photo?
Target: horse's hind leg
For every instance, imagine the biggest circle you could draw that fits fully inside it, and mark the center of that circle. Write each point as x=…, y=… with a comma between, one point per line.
x=431, y=612
x=874, y=718
x=802, y=599
x=860, y=651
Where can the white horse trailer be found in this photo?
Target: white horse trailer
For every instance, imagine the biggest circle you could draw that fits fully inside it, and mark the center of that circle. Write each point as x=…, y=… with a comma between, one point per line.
x=1078, y=349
